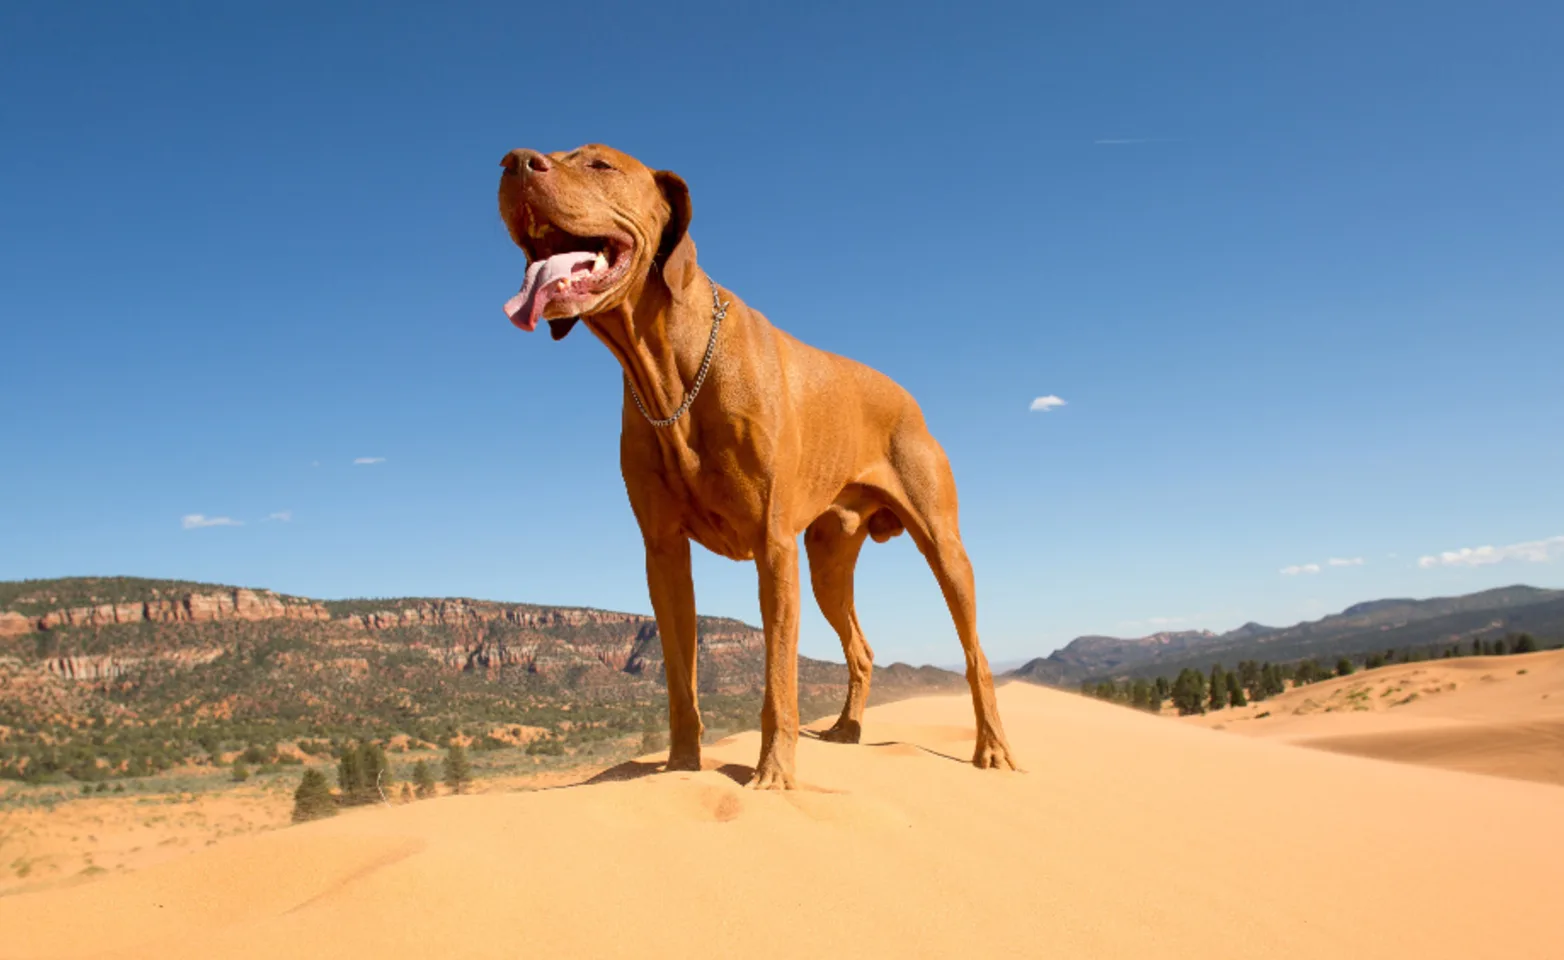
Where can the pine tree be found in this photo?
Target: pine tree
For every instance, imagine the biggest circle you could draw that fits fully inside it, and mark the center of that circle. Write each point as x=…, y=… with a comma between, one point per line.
x=1235, y=691
x=457, y=773
x=423, y=779
x=1163, y=690
x=1189, y=692
x=350, y=776
x=1140, y=695
x=1344, y=667
x=375, y=770
x=1499, y=647
x=1249, y=678
x=1477, y=648
x=1525, y=643
x=313, y=800
x=1218, y=687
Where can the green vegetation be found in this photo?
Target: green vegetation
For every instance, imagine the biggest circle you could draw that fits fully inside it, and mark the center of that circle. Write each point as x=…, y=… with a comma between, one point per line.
x=1217, y=687
x=363, y=775
x=182, y=696
x=1189, y=692
x=313, y=799
x=1194, y=692
x=423, y=780
x=1235, y=691
x=458, y=774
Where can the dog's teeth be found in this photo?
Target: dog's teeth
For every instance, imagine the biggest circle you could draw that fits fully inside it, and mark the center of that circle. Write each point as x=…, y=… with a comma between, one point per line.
x=600, y=264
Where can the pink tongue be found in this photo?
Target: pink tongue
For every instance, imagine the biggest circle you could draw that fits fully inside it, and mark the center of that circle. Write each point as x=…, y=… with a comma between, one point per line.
x=539, y=288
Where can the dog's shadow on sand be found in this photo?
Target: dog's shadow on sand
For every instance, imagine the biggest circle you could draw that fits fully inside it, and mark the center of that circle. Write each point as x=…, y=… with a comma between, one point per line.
x=905, y=745
x=739, y=773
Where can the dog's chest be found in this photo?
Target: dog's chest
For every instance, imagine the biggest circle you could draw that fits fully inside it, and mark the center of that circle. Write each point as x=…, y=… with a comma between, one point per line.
x=716, y=486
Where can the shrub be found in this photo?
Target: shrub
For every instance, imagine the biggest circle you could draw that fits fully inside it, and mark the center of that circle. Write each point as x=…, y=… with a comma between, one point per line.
x=313, y=800
x=423, y=780
x=241, y=772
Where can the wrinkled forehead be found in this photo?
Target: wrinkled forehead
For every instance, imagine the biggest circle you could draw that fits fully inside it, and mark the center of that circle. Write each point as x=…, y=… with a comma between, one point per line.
x=621, y=160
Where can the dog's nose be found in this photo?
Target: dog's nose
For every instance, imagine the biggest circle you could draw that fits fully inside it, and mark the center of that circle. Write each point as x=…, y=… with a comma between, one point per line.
x=525, y=161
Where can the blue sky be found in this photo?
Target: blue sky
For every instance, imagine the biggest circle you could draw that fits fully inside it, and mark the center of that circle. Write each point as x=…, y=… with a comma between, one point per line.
x=1297, y=273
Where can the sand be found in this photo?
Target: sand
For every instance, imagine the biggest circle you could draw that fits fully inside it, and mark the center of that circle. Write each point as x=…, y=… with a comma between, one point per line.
x=1127, y=836
x=1502, y=716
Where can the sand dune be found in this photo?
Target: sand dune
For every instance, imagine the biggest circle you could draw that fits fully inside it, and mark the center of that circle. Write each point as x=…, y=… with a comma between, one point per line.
x=1128, y=836
x=1502, y=716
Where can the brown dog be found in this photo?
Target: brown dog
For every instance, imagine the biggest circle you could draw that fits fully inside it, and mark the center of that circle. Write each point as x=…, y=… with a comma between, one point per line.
x=736, y=436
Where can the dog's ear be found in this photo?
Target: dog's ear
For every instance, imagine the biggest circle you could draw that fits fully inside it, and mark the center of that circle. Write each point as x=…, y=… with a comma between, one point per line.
x=559, y=329
x=676, y=251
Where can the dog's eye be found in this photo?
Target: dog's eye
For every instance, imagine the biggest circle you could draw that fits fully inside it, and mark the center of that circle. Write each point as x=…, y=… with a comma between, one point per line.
x=600, y=165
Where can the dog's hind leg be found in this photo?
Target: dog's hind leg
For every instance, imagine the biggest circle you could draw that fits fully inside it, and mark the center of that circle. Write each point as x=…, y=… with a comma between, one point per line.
x=833, y=554
x=929, y=510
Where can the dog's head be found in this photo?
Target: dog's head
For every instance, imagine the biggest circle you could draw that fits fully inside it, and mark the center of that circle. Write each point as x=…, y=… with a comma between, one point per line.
x=594, y=223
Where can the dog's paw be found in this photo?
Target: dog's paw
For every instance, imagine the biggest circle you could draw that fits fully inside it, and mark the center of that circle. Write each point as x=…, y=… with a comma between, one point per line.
x=845, y=731
x=993, y=753
x=772, y=776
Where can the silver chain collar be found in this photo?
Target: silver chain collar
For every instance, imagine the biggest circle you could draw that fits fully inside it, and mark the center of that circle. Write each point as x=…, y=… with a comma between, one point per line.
x=719, y=310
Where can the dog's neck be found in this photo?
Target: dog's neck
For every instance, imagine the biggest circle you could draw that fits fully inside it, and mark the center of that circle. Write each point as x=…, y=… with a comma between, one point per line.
x=659, y=339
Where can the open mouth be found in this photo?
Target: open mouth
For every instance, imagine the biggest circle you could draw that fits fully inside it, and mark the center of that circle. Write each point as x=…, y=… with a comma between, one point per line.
x=565, y=272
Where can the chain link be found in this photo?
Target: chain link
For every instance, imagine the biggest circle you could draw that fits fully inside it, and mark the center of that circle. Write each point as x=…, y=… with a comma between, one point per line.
x=719, y=310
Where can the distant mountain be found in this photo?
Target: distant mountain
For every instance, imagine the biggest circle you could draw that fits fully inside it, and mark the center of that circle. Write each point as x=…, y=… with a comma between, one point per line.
x=1093, y=655
x=1361, y=628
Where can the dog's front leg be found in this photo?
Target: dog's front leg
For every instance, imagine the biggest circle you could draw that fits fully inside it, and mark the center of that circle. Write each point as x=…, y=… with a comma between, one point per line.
x=777, y=565
x=673, y=601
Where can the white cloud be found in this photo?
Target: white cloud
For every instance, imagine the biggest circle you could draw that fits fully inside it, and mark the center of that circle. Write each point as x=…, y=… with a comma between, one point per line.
x=1531, y=551
x=1312, y=568
x=282, y=516
x=1045, y=404
x=368, y=461
x=194, y=521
